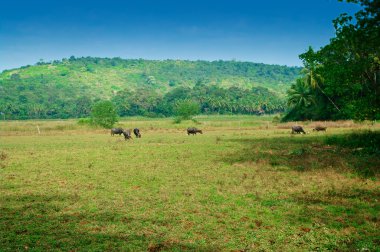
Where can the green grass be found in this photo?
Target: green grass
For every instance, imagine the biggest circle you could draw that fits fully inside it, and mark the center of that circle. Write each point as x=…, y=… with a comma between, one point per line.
x=244, y=185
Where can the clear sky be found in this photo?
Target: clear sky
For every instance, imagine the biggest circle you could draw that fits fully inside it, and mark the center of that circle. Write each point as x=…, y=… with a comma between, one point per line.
x=263, y=31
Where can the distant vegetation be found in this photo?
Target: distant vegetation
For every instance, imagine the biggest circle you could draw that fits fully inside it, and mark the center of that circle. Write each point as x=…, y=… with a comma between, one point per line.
x=69, y=88
x=342, y=79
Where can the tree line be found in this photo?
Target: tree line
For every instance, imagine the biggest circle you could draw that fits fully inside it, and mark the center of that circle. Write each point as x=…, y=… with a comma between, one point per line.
x=211, y=100
x=69, y=88
x=145, y=101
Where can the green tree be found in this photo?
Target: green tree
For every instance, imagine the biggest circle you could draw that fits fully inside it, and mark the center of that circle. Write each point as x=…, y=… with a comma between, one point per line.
x=35, y=110
x=347, y=70
x=300, y=95
x=82, y=106
x=10, y=109
x=311, y=76
x=104, y=114
x=186, y=109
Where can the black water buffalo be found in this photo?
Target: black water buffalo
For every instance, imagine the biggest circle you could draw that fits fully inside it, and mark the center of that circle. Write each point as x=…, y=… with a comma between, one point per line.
x=118, y=131
x=127, y=134
x=298, y=130
x=136, y=131
x=193, y=131
x=320, y=128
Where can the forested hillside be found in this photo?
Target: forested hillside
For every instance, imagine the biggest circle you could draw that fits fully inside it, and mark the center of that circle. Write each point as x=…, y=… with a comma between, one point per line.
x=69, y=87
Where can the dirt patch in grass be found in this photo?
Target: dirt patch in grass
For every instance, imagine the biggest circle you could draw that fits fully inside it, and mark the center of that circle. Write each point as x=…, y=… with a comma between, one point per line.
x=3, y=157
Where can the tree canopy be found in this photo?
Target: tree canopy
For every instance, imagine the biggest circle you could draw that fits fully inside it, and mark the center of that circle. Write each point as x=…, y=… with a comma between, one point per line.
x=104, y=114
x=344, y=75
x=186, y=109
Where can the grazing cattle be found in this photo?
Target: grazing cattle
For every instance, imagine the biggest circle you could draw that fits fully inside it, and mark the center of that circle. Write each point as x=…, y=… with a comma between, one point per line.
x=298, y=130
x=127, y=134
x=118, y=131
x=193, y=131
x=136, y=131
x=319, y=128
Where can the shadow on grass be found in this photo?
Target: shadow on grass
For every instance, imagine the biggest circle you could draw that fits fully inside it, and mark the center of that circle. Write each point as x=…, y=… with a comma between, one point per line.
x=346, y=219
x=47, y=222
x=351, y=212
x=303, y=153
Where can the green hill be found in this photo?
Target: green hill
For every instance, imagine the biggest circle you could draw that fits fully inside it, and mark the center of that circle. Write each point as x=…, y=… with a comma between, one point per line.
x=67, y=88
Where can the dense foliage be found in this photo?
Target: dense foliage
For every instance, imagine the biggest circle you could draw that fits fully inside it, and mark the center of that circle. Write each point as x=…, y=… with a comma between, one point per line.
x=211, y=99
x=70, y=87
x=343, y=77
x=186, y=109
x=104, y=114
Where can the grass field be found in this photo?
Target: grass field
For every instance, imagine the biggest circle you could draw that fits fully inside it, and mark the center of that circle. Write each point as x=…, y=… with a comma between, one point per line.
x=246, y=184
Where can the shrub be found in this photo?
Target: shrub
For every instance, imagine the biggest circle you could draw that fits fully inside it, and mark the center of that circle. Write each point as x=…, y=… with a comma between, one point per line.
x=85, y=121
x=177, y=120
x=276, y=119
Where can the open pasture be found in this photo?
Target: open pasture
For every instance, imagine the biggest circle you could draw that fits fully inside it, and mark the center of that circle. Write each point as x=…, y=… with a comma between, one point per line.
x=245, y=184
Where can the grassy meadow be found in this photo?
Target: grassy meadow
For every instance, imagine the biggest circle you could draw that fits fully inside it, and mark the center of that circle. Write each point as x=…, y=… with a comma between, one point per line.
x=245, y=184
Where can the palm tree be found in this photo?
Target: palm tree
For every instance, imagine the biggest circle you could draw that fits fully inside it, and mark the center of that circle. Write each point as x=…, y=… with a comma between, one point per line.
x=313, y=80
x=10, y=108
x=213, y=103
x=246, y=106
x=234, y=106
x=300, y=94
x=219, y=104
x=36, y=110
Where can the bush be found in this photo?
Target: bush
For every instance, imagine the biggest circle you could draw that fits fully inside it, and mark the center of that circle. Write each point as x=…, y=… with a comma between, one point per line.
x=276, y=119
x=177, y=120
x=85, y=121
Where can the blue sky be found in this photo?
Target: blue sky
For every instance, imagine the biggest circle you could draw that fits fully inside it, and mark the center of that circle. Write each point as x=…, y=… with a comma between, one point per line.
x=263, y=31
